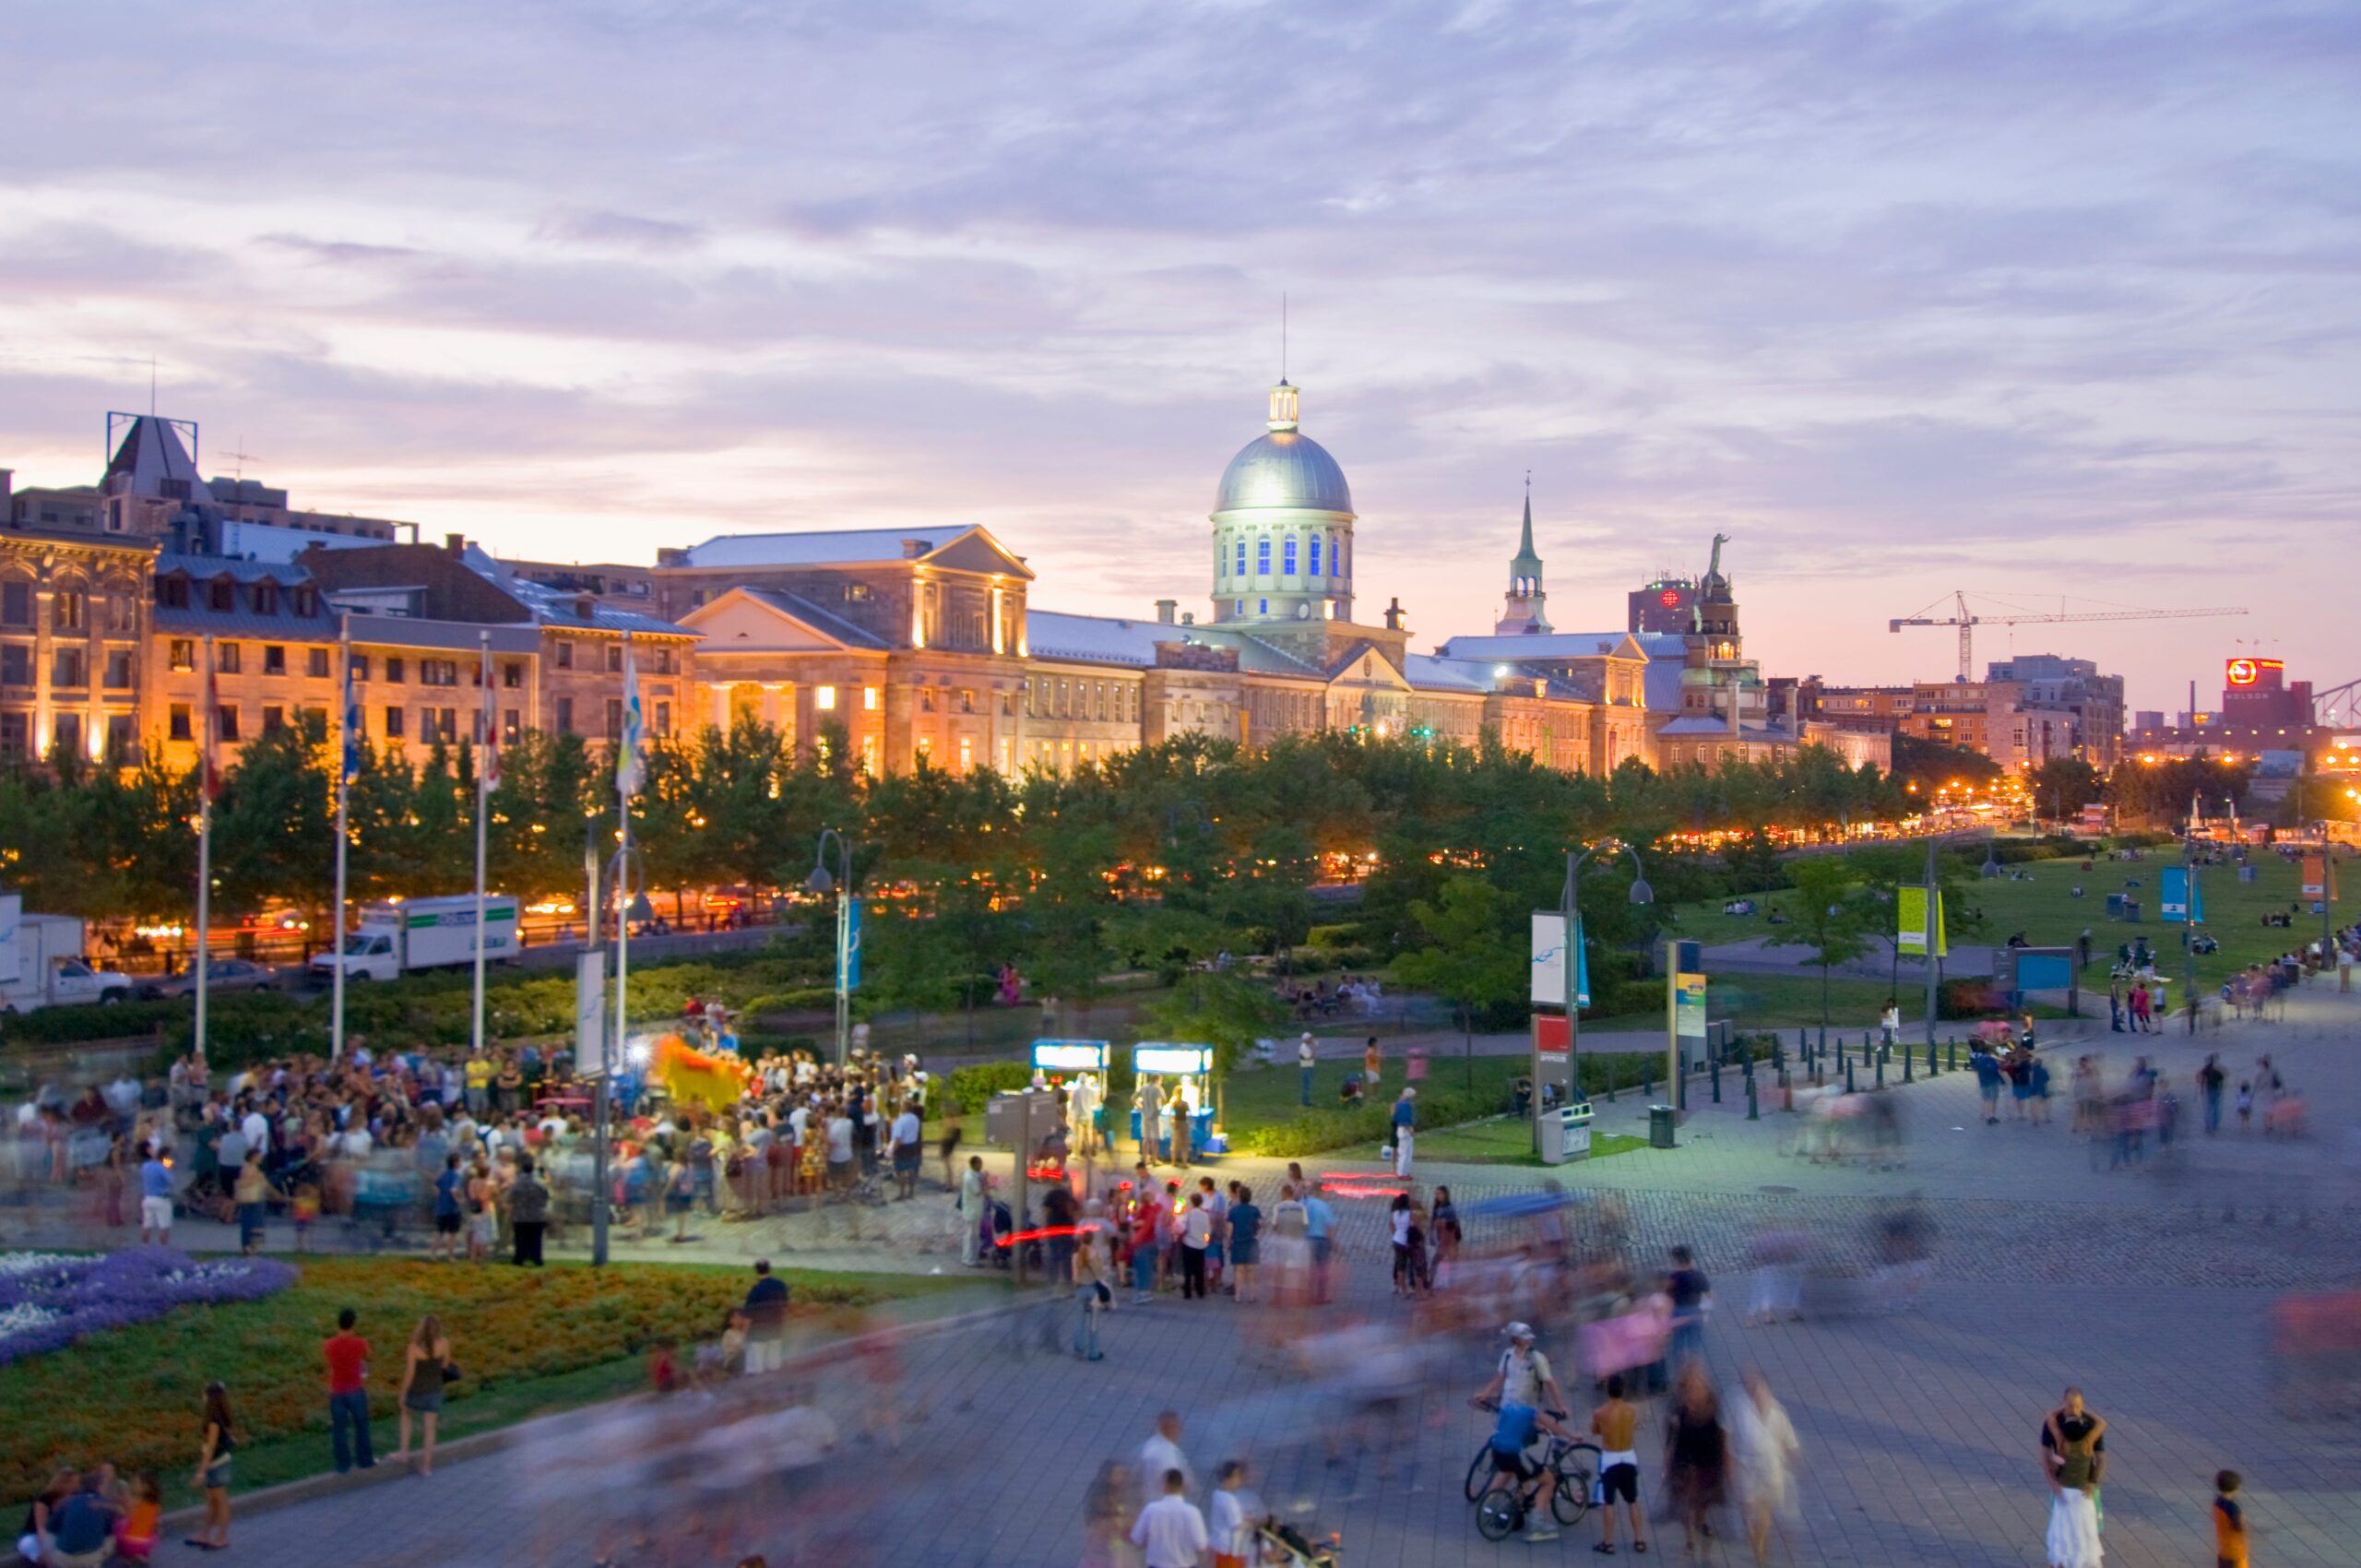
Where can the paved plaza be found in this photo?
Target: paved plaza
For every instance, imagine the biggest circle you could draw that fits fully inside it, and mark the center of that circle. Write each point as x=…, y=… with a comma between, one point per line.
x=2149, y=1289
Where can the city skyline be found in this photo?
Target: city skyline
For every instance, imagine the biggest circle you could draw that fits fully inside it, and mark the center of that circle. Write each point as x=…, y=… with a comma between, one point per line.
x=1897, y=299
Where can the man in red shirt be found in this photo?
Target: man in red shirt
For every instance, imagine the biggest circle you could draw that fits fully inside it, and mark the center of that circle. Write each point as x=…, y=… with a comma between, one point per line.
x=348, y=1357
x=1148, y=1242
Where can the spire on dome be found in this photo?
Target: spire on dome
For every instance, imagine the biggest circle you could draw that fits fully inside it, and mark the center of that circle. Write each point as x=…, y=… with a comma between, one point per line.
x=1283, y=406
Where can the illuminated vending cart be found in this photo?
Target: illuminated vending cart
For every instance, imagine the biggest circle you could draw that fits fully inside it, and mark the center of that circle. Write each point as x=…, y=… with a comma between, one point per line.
x=1080, y=1066
x=1192, y=1066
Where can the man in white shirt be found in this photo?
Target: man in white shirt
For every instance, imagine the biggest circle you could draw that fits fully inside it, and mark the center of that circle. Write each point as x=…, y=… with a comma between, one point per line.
x=1169, y=1531
x=1235, y=1512
x=256, y=1127
x=1304, y=1058
x=909, y=1153
x=1162, y=1453
x=839, y=1147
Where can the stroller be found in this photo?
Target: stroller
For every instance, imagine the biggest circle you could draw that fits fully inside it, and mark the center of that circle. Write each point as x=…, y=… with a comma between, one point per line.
x=1003, y=1251
x=1281, y=1545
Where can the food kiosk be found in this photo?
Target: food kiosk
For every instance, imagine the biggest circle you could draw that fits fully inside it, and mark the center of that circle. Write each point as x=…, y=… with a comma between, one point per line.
x=1081, y=1066
x=1192, y=1065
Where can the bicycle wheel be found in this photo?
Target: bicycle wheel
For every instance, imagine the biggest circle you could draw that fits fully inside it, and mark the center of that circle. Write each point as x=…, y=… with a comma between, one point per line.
x=1480, y=1471
x=1577, y=1470
x=1498, y=1515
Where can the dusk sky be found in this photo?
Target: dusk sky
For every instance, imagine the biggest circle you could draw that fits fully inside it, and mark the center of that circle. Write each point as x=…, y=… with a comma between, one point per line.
x=2032, y=300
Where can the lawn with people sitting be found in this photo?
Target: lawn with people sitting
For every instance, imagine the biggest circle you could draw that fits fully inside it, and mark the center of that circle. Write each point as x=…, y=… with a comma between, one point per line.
x=527, y=1342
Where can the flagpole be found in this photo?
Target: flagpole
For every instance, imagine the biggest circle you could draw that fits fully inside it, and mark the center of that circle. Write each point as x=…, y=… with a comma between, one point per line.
x=626, y=780
x=204, y=785
x=484, y=810
x=345, y=751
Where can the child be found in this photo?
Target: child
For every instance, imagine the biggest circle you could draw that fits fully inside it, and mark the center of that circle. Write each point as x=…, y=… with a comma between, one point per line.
x=2229, y=1522
x=305, y=1207
x=1234, y=1513
x=2246, y=1106
x=143, y=1522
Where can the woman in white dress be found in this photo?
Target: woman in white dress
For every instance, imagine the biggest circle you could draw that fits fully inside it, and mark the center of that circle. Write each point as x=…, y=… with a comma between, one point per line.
x=1763, y=1454
x=2073, y=1459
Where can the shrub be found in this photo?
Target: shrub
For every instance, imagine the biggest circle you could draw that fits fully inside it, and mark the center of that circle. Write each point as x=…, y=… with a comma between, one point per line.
x=969, y=1088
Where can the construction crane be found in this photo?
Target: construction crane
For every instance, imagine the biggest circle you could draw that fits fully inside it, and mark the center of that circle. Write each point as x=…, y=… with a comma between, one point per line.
x=2012, y=616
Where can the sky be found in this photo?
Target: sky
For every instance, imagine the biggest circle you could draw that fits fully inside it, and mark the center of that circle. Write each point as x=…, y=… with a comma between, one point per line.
x=2050, y=302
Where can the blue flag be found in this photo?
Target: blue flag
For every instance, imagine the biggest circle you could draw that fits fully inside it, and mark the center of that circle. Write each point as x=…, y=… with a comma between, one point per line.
x=852, y=945
x=2180, y=897
x=355, y=736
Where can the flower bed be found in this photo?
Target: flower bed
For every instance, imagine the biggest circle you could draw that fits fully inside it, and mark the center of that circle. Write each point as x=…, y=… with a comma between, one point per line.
x=50, y=1299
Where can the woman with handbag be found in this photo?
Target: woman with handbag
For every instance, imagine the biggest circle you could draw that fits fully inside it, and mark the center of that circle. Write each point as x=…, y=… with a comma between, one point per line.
x=426, y=1367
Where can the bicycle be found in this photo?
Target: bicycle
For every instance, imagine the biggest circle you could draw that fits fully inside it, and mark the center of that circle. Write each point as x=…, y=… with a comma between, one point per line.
x=1501, y=1511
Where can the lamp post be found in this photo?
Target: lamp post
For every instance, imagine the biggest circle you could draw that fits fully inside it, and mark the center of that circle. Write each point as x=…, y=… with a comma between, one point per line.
x=822, y=881
x=1570, y=910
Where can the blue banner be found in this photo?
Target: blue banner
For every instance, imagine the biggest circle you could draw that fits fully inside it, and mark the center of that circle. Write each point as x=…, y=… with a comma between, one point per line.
x=2180, y=896
x=1582, y=967
x=851, y=976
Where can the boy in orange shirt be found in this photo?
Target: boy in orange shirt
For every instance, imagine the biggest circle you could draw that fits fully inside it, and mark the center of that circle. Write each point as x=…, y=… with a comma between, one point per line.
x=2229, y=1522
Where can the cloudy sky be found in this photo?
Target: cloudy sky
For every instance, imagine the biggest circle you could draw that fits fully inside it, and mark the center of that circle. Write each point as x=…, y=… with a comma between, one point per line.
x=2032, y=300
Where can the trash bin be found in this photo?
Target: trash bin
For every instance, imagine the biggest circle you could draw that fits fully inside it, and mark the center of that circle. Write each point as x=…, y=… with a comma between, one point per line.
x=1550, y=1131
x=1574, y=1135
x=1660, y=1125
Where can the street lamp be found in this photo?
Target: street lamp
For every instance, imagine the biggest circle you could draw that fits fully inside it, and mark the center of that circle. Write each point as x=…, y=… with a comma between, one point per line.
x=840, y=884
x=1570, y=909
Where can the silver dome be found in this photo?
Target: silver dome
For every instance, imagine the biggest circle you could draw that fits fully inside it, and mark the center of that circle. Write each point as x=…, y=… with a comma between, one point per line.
x=1286, y=470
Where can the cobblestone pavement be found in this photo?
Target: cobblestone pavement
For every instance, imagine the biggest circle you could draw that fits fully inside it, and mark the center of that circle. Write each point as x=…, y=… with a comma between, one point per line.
x=2150, y=1290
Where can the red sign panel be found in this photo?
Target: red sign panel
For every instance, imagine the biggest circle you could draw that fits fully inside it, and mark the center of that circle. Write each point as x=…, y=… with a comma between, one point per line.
x=1550, y=1035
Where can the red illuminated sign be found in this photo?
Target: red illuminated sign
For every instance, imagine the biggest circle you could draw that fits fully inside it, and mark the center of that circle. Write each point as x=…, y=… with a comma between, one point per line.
x=2248, y=671
x=1668, y=598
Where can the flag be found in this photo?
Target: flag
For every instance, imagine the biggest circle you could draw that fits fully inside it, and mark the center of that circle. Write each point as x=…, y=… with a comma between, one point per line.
x=2180, y=898
x=1918, y=921
x=488, y=763
x=211, y=774
x=630, y=765
x=355, y=735
x=850, y=963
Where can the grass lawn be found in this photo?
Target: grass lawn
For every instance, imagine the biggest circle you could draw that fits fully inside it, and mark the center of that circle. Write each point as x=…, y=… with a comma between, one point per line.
x=529, y=1343
x=2046, y=912
x=1506, y=1141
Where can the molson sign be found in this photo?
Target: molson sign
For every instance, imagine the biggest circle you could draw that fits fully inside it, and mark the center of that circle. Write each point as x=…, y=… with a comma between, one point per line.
x=2250, y=671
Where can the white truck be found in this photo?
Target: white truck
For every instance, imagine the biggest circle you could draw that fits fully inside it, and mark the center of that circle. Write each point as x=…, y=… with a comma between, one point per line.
x=421, y=933
x=41, y=963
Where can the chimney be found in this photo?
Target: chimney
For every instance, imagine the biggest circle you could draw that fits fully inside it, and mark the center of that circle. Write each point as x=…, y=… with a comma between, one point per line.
x=913, y=549
x=7, y=486
x=1188, y=617
x=1165, y=607
x=672, y=555
x=454, y=543
x=1393, y=613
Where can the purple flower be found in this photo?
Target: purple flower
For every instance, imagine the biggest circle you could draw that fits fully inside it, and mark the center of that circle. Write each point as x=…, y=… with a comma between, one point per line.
x=48, y=1303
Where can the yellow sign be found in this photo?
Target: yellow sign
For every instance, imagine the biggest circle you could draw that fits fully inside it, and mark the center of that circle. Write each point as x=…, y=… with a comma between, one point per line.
x=1688, y=1007
x=1919, y=922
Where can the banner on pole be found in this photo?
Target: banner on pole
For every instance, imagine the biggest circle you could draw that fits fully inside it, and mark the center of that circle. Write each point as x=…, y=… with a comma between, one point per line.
x=1551, y=1036
x=1688, y=1007
x=590, y=1013
x=1548, y=987
x=852, y=945
x=2180, y=897
x=2320, y=879
x=1919, y=922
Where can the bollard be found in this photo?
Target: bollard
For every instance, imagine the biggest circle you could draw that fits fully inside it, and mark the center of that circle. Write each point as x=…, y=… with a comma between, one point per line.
x=1848, y=1077
x=1954, y=1062
x=1906, y=1066
x=1753, y=1112
x=1611, y=1075
x=1717, y=1080
x=1880, y=1083
x=1930, y=1058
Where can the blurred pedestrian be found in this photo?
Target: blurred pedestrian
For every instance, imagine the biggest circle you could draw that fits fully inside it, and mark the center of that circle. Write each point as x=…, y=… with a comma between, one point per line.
x=426, y=1363
x=1373, y=1065
x=2229, y=1522
x=1762, y=1454
x=1696, y=1463
x=1235, y=1512
x=1161, y=1455
x=1692, y=1295
x=214, y=1451
x=1093, y=1278
x=1305, y=1059
x=1405, y=1129
x=1107, y=1515
x=2210, y=1080
x=528, y=1213
x=1196, y=1237
x=1245, y=1241
x=1616, y=1424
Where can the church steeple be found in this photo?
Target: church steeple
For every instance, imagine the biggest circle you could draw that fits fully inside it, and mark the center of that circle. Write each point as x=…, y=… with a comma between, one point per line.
x=1521, y=611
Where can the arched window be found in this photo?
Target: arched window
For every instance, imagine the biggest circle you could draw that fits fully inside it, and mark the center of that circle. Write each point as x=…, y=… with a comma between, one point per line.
x=1263, y=557
x=1287, y=555
x=1315, y=556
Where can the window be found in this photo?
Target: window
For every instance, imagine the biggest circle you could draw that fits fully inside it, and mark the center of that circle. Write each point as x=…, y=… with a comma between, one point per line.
x=443, y=723
x=1241, y=558
x=393, y=723
x=395, y=670
x=565, y=716
x=69, y=668
x=225, y=723
x=176, y=722
x=869, y=698
x=15, y=604
x=1266, y=609
x=265, y=599
x=1263, y=557
x=512, y=675
x=120, y=665
x=274, y=658
x=226, y=658
x=663, y=661
x=221, y=594
x=438, y=672
x=614, y=718
x=663, y=718
x=305, y=600
x=565, y=655
x=120, y=740
x=315, y=663
x=360, y=666
x=857, y=593
x=967, y=754
x=16, y=665
x=1315, y=556
x=173, y=592
x=966, y=701
x=1008, y=704
x=926, y=745
x=1288, y=554
x=15, y=735
x=926, y=699
x=614, y=659
x=824, y=698
x=274, y=720
x=69, y=610
x=65, y=734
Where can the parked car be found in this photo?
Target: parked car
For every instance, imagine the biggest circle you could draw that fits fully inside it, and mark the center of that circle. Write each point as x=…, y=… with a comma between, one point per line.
x=220, y=974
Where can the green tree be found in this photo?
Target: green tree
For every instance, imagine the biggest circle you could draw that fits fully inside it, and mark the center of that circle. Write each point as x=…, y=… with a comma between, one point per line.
x=1228, y=1011
x=2062, y=786
x=1468, y=957
x=1833, y=917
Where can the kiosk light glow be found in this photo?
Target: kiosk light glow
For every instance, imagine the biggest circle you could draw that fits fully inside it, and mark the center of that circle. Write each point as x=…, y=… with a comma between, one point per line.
x=1172, y=1059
